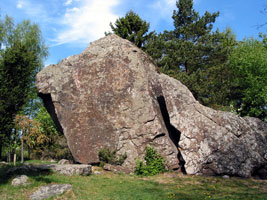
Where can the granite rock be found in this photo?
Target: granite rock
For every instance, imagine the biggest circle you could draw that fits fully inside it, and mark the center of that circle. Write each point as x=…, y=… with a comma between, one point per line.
x=45, y=192
x=112, y=96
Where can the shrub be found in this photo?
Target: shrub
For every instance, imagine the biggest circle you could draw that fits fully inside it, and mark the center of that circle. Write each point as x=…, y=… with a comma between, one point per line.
x=109, y=156
x=58, y=149
x=155, y=163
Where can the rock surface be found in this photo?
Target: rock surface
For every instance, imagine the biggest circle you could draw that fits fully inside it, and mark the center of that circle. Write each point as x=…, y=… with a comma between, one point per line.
x=45, y=192
x=20, y=180
x=111, y=96
x=116, y=169
x=3, y=163
x=214, y=142
x=69, y=169
x=64, y=162
x=103, y=98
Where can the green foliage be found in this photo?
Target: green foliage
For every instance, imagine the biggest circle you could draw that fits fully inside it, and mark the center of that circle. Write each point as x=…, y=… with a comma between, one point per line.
x=186, y=47
x=109, y=156
x=56, y=147
x=47, y=125
x=249, y=88
x=132, y=28
x=22, y=51
x=195, y=55
x=154, y=163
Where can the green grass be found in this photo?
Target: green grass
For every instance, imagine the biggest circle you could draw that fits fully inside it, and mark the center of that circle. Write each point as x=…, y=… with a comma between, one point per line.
x=108, y=186
x=39, y=162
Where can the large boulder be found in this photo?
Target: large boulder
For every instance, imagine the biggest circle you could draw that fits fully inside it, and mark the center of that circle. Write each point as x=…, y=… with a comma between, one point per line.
x=111, y=96
x=215, y=142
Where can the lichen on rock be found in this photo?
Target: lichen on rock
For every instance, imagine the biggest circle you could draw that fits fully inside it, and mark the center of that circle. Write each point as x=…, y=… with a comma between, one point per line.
x=111, y=96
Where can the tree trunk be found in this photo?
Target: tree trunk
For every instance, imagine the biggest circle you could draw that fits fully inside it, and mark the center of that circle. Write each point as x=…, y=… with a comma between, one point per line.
x=22, y=148
x=0, y=148
x=186, y=65
x=15, y=158
x=15, y=154
x=8, y=156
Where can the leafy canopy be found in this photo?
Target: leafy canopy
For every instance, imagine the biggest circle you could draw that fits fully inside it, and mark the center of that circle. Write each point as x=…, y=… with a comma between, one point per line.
x=22, y=51
x=195, y=55
x=132, y=28
x=249, y=90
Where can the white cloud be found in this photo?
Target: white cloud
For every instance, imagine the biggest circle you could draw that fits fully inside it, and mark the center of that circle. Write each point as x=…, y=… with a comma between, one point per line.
x=86, y=22
x=68, y=2
x=21, y=4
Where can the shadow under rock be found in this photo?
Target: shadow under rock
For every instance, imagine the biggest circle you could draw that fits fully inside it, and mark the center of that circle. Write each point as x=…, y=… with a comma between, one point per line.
x=174, y=134
x=9, y=172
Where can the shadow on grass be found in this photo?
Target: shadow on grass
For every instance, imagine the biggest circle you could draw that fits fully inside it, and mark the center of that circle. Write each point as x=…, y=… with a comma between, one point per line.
x=8, y=172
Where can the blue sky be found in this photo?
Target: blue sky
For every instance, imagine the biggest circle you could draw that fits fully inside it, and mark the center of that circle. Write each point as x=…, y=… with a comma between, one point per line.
x=69, y=25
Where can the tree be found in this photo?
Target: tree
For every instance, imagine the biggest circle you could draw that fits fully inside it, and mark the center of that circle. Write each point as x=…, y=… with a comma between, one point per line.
x=132, y=28
x=28, y=130
x=21, y=57
x=195, y=54
x=191, y=35
x=47, y=125
x=22, y=123
x=56, y=146
x=249, y=89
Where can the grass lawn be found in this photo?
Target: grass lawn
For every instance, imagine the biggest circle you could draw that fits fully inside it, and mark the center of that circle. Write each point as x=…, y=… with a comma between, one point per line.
x=108, y=186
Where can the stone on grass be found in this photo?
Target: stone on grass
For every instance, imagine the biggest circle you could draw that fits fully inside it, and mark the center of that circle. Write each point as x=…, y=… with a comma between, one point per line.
x=3, y=163
x=97, y=172
x=116, y=169
x=226, y=176
x=63, y=162
x=20, y=180
x=45, y=192
x=72, y=169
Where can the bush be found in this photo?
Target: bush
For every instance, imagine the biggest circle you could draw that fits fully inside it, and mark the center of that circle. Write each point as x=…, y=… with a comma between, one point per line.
x=109, y=156
x=155, y=163
x=58, y=149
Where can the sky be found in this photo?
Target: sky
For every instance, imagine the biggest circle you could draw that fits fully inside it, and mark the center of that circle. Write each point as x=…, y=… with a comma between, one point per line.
x=68, y=26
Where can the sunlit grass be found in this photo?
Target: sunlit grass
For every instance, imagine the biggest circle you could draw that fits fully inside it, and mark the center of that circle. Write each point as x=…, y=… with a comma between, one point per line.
x=108, y=186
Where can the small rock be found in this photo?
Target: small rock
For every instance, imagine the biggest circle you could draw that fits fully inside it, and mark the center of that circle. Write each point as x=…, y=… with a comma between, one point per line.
x=84, y=170
x=97, y=172
x=63, y=162
x=20, y=180
x=116, y=169
x=52, y=161
x=226, y=176
x=45, y=192
x=3, y=163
